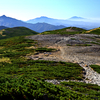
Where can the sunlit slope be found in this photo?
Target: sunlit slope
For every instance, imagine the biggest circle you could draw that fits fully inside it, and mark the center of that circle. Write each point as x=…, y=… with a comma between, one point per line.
x=94, y=31
x=68, y=30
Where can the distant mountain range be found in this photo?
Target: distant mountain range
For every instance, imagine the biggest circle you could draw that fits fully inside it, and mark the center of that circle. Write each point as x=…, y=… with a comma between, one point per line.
x=38, y=27
x=75, y=17
x=73, y=21
x=44, y=23
x=44, y=19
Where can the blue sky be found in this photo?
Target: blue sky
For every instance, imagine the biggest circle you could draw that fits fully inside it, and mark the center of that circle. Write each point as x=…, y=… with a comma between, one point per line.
x=59, y=9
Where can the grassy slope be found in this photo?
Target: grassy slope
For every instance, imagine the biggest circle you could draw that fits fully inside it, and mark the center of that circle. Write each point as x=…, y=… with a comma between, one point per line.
x=96, y=68
x=75, y=31
x=23, y=79
x=63, y=31
x=94, y=31
x=16, y=31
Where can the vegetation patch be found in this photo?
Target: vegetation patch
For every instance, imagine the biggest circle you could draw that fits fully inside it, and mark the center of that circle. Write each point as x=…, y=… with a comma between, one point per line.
x=1, y=47
x=96, y=68
x=42, y=69
x=73, y=38
x=1, y=32
x=28, y=88
x=92, y=91
x=42, y=49
x=94, y=31
x=72, y=31
x=83, y=45
x=20, y=65
x=16, y=31
x=95, y=43
x=79, y=45
x=31, y=47
x=5, y=59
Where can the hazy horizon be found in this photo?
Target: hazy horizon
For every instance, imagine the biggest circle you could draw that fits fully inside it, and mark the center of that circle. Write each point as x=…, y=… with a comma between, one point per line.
x=58, y=9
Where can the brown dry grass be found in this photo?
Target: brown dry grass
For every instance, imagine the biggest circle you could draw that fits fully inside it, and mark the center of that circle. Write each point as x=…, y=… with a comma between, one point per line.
x=5, y=59
x=92, y=30
x=1, y=32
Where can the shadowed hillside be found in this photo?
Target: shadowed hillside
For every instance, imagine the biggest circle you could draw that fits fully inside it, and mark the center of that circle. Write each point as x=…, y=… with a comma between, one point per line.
x=3, y=27
x=38, y=27
x=16, y=31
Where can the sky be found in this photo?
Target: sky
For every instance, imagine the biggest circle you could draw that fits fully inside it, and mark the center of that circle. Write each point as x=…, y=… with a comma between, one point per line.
x=58, y=9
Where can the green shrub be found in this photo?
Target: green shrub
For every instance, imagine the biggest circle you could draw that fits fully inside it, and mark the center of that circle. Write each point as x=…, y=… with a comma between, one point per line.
x=95, y=68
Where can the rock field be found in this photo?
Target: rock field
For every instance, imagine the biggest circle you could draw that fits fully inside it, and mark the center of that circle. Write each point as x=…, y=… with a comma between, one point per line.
x=83, y=55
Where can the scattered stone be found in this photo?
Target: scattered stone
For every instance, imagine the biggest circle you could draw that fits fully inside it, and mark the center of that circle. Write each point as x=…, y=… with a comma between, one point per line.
x=86, y=65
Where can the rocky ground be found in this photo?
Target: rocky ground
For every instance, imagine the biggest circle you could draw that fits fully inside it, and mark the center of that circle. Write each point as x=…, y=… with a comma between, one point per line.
x=72, y=48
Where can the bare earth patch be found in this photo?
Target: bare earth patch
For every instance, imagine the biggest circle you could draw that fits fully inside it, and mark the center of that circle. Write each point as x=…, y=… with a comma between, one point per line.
x=83, y=55
x=87, y=54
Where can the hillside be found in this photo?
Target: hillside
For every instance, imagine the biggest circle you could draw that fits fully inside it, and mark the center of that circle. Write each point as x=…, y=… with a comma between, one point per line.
x=93, y=31
x=16, y=31
x=23, y=77
x=54, y=66
x=42, y=27
x=3, y=27
x=68, y=30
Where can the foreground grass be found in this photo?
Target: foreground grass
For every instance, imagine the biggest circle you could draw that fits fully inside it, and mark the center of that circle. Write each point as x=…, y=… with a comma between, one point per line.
x=27, y=88
x=92, y=91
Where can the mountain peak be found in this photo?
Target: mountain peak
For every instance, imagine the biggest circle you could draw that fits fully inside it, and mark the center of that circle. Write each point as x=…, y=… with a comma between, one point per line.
x=3, y=16
x=76, y=17
x=43, y=17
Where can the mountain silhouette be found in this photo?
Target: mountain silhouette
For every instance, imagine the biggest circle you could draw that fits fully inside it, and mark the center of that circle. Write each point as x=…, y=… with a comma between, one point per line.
x=44, y=19
x=74, y=21
x=38, y=27
x=3, y=27
x=75, y=17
